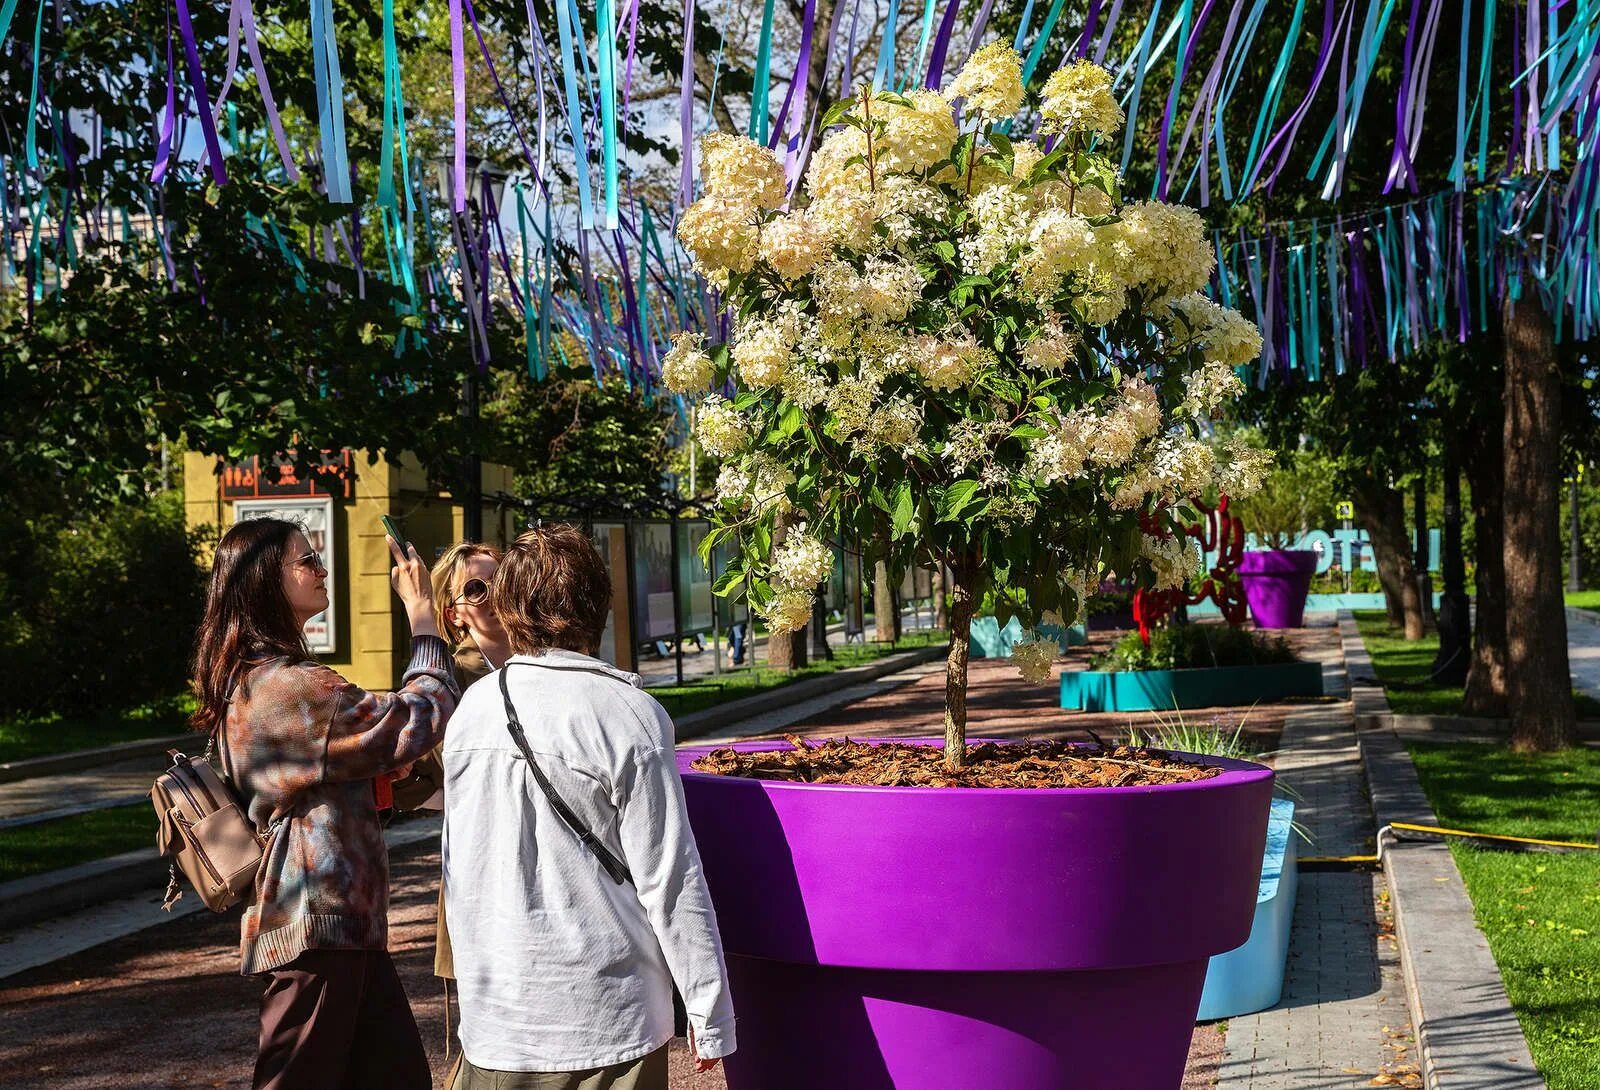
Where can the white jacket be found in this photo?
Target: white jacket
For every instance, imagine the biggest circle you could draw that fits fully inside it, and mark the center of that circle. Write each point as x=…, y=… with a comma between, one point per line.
x=559, y=968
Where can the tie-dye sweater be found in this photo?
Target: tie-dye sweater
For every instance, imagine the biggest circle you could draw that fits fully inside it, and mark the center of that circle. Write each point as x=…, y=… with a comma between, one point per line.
x=302, y=746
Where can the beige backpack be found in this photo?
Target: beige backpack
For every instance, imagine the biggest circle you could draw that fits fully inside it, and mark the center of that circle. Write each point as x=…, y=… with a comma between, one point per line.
x=205, y=831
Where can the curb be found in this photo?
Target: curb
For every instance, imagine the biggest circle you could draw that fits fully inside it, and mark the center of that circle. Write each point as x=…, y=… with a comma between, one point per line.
x=1582, y=616
x=1468, y=1037
x=11, y=771
x=696, y=724
x=54, y=893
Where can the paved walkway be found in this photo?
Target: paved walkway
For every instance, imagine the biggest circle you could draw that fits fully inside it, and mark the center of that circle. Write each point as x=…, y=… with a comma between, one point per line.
x=1583, y=656
x=40, y=798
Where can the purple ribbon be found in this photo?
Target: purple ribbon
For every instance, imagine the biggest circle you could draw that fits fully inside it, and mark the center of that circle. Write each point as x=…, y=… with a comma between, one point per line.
x=941, y=46
x=686, y=107
x=202, y=100
x=458, y=87
x=169, y=120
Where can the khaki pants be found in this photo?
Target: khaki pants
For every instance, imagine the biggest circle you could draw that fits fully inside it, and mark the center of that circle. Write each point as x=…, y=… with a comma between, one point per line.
x=647, y=1073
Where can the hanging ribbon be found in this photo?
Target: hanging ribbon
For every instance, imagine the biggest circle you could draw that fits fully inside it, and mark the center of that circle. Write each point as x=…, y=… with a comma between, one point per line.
x=330, y=103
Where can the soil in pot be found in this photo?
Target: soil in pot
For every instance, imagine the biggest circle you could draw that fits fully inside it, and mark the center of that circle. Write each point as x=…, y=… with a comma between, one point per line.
x=988, y=764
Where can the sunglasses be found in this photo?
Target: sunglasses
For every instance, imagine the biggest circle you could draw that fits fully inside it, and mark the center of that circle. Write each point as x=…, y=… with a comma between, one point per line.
x=312, y=563
x=474, y=592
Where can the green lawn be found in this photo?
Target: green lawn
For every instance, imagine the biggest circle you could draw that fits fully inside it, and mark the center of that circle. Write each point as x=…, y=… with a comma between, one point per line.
x=41, y=735
x=1584, y=599
x=1541, y=913
x=51, y=845
x=739, y=682
x=1403, y=666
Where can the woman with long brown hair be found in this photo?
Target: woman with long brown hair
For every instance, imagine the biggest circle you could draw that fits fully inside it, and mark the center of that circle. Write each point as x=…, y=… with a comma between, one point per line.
x=304, y=748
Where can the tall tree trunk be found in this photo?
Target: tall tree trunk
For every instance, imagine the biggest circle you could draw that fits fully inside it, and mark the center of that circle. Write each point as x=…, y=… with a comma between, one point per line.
x=1538, y=681
x=884, y=613
x=1382, y=511
x=1486, y=469
x=963, y=601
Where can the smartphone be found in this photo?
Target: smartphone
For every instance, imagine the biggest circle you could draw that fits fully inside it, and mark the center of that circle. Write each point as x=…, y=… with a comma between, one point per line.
x=394, y=532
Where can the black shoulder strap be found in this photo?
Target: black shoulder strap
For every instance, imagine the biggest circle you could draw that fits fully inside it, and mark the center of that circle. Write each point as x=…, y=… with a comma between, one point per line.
x=615, y=867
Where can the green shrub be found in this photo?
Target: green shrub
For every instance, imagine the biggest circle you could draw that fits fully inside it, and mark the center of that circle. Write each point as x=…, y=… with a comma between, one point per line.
x=98, y=614
x=1185, y=646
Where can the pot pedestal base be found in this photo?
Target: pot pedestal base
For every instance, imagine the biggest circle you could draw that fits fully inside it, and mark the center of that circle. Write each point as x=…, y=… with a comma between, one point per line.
x=817, y=1026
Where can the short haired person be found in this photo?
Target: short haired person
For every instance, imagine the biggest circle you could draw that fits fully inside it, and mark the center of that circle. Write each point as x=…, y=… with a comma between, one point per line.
x=565, y=975
x=305, y=750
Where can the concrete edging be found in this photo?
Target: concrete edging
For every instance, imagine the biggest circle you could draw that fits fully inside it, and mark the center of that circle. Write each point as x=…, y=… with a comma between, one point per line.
x=695, y=724
x=1582, y=616
x=11, y=771
x=56, y=892
x=1468, y=1036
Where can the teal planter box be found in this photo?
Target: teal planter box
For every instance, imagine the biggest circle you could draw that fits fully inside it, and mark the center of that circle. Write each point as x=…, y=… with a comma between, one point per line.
x=1166, y=690
x=1250, y=977
x=990, y=641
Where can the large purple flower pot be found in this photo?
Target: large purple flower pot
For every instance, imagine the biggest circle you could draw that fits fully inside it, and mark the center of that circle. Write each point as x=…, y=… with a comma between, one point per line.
x=944, y=939
x=1276, y=582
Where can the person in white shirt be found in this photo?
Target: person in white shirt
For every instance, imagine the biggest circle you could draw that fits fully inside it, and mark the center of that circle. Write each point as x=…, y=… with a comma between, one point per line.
x=566, y=952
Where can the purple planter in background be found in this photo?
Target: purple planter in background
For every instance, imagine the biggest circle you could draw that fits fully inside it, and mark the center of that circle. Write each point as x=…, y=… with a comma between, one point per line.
x=903, y=938
x=1276, y=582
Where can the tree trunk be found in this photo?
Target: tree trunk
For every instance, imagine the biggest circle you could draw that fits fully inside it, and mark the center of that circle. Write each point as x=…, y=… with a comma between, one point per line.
x=1486, y=467
x=883, y=607
x=1455, y=623
x=1538, y=681
x=785, y=651
x=1382, y=512
x=963, y=601
x=941, y=609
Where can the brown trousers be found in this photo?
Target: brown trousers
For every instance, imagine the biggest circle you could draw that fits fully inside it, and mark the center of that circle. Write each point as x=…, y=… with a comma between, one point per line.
x=646, y=1073
x=339, y=1020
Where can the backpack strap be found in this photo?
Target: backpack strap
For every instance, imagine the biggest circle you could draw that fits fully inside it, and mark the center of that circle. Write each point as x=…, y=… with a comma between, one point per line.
x=613, y=866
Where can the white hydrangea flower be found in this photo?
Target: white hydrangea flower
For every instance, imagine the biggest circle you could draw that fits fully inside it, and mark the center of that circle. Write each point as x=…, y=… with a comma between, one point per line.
x=720, y=428
x=900, y=199
x=1142, y=405
x=721, y=235
x=1225, y=335
x=1035, y=659
x=806, y=386
x=1161, y=247
x=1209, y=387
x=763, y=350
x=1243, y=470
x=788, y=611
x=802, y=560
x=990, y=81
x=1059, y=243
x=846, y=217
x=1078, y=98
x=734, y=164
x=888, y=288
x=947, y=364
x=895, y=424
x=1051, y=348
x=851, y=402
x=914, y=137
x=1173, y=560
x=793, y=245
x=1104, y=297
x=686, y=368
x=1062, y=453
x=831, y=171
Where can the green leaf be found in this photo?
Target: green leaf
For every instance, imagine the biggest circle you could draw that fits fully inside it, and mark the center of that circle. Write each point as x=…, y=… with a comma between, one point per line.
x=904, y=509
x=955, y=498
x=836, y=111
x=732, y=577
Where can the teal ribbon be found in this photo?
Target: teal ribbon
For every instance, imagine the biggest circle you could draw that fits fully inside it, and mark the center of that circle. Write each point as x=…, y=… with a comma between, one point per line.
x=914, y=71
x=1230, y=80
x=580, y=148
x=1141, y=68
x=330, y=103
x=884, y=74
x=1045, y=31
x=32, y=141
x=1269, y=105
x=606, y=51
x=760, y=115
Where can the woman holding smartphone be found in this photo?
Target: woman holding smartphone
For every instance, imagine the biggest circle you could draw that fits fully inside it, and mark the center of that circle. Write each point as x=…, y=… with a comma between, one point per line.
x=304, y=748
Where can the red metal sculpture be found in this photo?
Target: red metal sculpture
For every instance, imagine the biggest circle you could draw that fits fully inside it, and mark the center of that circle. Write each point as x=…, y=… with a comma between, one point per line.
x=1220, y=532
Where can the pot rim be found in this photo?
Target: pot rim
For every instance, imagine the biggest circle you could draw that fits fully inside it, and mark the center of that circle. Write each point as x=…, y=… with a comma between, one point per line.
x=1235, y=773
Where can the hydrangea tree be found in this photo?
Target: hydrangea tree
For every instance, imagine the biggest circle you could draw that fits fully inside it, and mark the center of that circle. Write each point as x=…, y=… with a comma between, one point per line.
x=966, y=344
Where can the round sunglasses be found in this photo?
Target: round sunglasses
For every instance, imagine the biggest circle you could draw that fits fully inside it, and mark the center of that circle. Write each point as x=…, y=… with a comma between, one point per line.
x=474, y=592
